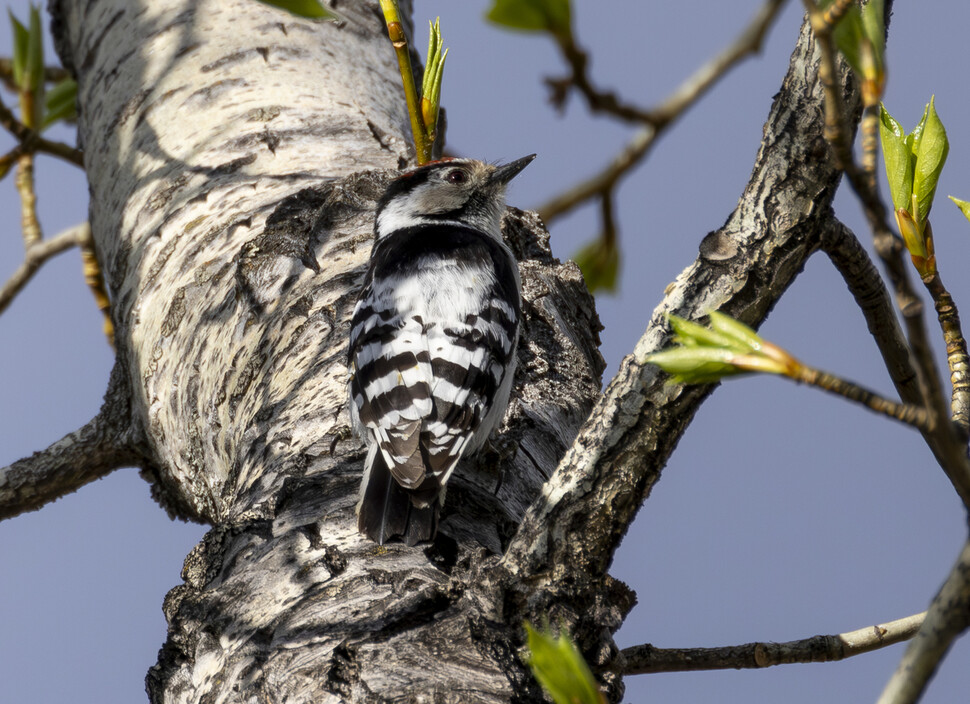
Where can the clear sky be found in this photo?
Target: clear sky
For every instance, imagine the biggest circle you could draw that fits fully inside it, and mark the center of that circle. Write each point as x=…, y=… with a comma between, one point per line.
x=783, y=514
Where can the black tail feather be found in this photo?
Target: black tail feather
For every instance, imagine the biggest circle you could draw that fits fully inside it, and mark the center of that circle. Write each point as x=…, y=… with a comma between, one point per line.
x=385, y=511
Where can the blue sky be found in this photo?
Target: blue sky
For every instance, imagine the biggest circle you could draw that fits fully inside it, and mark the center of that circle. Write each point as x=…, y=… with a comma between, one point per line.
x=783, y=514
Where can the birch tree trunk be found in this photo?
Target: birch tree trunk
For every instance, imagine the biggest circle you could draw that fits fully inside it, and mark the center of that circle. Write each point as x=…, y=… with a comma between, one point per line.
x=235, y=155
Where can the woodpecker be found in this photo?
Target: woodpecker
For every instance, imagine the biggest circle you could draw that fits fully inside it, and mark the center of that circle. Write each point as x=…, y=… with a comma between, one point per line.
x=432, y=339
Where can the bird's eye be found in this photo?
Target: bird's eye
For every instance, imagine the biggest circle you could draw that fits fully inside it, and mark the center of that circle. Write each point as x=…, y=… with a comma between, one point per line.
x=457, y=176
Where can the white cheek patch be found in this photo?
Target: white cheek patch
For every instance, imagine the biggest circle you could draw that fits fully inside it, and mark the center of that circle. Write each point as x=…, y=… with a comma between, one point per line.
x=413, y=209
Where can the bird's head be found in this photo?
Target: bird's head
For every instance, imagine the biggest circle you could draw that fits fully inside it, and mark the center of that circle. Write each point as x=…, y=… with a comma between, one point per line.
x=448, y=191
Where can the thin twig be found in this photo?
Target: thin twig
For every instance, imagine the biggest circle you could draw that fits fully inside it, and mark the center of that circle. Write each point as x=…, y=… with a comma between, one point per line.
x=956, y=351
x=660, y=118
x=399, y=40
x=947, y=445
x=836, y=130
x=52, y=74
x=834, y=12
x=36, y=255
x=947, y=617
x=33, y=142
x=859, y=273
x=95, y=281
x=598, y=100
x=10, y=158
x=29, y=223
x=644, y=659
x=915, y=416
x=604, y=181
x=748, y=43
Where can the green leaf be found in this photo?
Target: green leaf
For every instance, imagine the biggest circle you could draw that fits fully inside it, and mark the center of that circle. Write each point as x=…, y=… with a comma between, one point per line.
x=932, y=146
x=533, y=15
x=303, y=8
x=874, y=26
x=434, y=67
x=600, y=264
x=849, y=34
x=912, y=234
x=696, y=365
x=561, y=670
x=744, y=337
x=33, y=78
x=21, y=39
x=690, y=334
x=898, y=155
x=963, y=205
x=60, y=103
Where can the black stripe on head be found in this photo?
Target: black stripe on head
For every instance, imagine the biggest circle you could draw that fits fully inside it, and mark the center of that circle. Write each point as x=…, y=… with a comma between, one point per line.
x=407, y=182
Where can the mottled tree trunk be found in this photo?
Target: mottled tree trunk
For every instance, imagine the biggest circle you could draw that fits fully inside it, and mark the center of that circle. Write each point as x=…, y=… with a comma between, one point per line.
x=235, y=155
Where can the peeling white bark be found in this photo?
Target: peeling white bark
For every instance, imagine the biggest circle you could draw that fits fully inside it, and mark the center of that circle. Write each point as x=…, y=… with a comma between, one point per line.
x=198, y=119
x=231, y=151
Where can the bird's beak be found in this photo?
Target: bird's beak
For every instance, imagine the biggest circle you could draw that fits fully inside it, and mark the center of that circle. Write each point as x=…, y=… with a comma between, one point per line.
x=504, y=174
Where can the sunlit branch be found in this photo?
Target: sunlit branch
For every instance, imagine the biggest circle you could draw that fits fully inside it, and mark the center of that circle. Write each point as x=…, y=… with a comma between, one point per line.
x=661, y=117
x=644, y=659
x=33, y=142
x=947, y=617
x=956, y=351
x=35, y=256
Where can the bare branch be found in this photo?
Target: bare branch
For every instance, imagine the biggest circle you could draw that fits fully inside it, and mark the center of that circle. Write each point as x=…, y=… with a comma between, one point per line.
x=947, y=618
x=658, y=119
x=945, y=439
x=602, y=182
x=747, y=44
x=73, y=461
x=644, y=659
x=956, y=351
x=94, y=278
x=29, y=223
x=52, y=74
x=36, y=255
x=866, y=286
x=33, y=142
x=915, y=416
x=101, y=446
x=742, y=270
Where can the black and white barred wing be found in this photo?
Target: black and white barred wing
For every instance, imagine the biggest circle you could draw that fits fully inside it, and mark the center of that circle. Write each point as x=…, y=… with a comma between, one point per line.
x=391, y=384
x=469, y=366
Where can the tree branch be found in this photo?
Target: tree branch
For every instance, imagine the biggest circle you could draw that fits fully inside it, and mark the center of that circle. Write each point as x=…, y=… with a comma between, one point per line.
x=52, y=74
x=956, y=351
x=947, y=618
x=33, y=142
x=945, y=439
x=36, y=255
x=861, y=276
x=915, y=416
x=106, y=443
x=658, y=119
x=742, y=270
x=645, y=659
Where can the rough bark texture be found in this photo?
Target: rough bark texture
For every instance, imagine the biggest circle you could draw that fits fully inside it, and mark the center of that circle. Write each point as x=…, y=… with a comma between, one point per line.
x=230, y=150
x=235, y=155
x=742, y=269
x=101, y=446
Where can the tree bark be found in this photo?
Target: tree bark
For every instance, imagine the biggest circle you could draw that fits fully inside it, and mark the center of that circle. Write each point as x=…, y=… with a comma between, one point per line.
x=235, y=155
